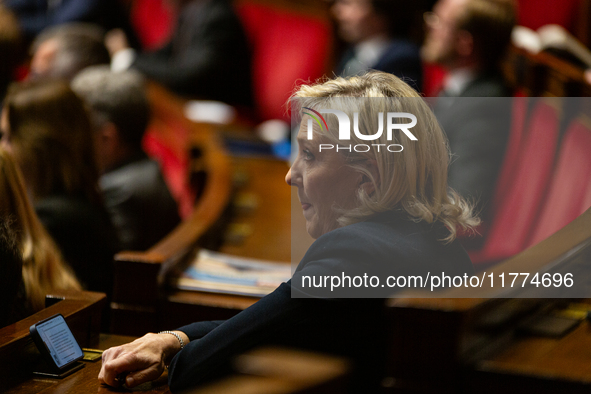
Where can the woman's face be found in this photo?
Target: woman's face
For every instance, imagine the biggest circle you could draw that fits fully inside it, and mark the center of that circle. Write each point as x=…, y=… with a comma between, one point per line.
x=324, y=182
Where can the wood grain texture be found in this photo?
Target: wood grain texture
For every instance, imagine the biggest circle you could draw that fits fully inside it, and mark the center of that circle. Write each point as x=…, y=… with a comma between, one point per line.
x=84, y=380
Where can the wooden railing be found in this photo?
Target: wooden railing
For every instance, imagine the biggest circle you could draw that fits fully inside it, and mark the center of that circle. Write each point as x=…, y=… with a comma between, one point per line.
x=544, y=74
x=450, y=343
x=82, y=311
x=138, y=276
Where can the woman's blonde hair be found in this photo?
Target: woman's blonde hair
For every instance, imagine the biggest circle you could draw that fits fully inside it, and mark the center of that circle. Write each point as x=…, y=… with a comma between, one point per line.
x=414, y=179
x=43, y=267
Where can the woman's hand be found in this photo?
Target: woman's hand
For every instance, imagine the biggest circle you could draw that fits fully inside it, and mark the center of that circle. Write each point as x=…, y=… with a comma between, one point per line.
x=140, y=361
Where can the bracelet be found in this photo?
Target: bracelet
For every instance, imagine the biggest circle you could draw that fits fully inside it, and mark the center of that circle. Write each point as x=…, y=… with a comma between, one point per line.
x=177, y=337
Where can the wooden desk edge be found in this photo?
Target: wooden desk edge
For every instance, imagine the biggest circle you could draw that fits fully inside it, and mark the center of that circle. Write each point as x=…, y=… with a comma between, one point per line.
x=531, y=260
x=73, y=303
x=215, y=197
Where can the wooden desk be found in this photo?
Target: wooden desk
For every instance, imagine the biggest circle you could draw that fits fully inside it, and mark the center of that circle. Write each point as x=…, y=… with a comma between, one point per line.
x=270, y=370
x=271, y=234
x=282, y=371
x=457, y=345
x=544, y=74
x=135, y=307
x=85, y=380
x=269, y=219
x=18, y=354
x=141, y=301
x=533, y=364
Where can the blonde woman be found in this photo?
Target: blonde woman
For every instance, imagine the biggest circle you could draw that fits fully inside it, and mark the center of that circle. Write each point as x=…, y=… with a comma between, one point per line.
x=43, y=267
x=375, y=212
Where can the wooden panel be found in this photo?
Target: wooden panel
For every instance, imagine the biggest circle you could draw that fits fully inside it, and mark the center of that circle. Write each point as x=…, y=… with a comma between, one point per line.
x=269, y=220
x=260, y=205
x=266, y=217
x=135, y=307
x=18, y=353
x=544, y=74
x=85, y=380
x=269, y=370
x=437, y=343
x=282, y=371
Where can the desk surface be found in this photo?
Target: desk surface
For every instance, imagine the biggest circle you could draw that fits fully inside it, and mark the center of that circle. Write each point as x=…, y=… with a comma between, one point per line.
x=273, y=223
x=566, y=358
x=273, y=371
x=85, y=380
x=277, y=233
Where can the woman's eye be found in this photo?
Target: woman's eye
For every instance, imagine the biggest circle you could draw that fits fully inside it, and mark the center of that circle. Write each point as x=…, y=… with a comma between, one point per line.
x=307, y=155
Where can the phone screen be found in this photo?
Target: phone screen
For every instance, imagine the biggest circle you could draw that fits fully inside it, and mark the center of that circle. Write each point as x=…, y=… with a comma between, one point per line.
x=59, y=340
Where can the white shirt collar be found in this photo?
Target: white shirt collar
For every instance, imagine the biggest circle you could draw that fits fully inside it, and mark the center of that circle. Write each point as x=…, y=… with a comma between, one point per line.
x=369, y=51
x=457, y=80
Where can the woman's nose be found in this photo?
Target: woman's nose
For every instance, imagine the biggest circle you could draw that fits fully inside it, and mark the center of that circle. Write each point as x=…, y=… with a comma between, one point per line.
x=288, y=177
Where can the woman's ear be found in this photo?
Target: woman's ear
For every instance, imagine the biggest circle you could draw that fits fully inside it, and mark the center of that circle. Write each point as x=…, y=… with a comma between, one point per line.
x=366, y=184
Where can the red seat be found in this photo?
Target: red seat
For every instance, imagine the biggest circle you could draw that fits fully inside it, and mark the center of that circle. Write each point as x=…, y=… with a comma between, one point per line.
x=537, y=13
x=152, y=21
x=287, y=46
x=513, y=151
x=174, y=163
x=570, y=190
x=521, y=202
x=433, y=78
x=473, y=242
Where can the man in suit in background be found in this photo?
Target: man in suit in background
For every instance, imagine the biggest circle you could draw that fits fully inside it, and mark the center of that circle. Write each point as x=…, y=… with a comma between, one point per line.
x=207, y=57
x=64, y=50
x=136, y=197
x=469, y=38
x=379, y=34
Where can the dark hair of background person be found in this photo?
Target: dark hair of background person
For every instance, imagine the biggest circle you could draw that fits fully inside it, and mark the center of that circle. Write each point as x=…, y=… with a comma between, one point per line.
x=11, y=266
x=10, y=47
x=43, y=267
x=136, y=196
x=50, y=133
x=36, y=15
x=403, y=17
x=208, y=55
x=490, y=22
x=118, y=98
x=77, y=46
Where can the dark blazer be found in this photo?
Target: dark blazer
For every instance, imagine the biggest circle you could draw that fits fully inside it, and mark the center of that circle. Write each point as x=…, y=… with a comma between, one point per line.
x=355, y=327
x=84, y=235
x=207, y=57
x=402, y=58
x=477, y=124
x=139, y=203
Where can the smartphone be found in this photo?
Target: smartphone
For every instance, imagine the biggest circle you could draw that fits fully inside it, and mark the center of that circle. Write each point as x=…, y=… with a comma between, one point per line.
x=57, y=345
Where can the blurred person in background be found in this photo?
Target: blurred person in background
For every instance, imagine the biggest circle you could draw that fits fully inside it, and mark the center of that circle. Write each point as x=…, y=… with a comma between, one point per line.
x=469, y=38
x=207, y=57
x=378, y=32
x=36, y=15
x=135, y=194
x=46, y=127
x=10, y=47
x=62, y=51
x=43, y=269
